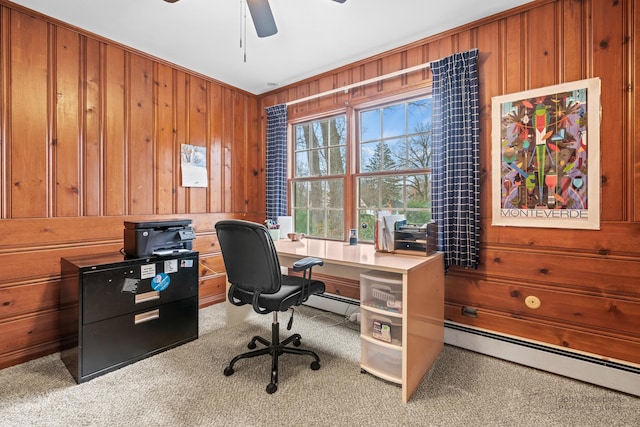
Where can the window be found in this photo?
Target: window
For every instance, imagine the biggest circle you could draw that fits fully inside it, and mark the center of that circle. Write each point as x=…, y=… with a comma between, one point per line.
x=392, y=172
x=319, y=177
x=394, y=168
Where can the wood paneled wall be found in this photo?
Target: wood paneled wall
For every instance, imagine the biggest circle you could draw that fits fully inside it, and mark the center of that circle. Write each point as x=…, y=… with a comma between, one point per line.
x=90, y=135
x=587, y=281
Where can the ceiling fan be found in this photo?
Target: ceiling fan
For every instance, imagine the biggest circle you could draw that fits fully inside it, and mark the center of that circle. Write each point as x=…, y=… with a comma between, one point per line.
x=262, y=16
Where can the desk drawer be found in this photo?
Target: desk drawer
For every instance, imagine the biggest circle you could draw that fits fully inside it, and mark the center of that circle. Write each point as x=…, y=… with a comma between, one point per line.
x=118, y=341
x=382, y=361
x=120, y=290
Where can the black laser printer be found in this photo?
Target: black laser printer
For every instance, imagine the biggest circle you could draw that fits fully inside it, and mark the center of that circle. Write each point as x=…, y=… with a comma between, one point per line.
x=146, y=238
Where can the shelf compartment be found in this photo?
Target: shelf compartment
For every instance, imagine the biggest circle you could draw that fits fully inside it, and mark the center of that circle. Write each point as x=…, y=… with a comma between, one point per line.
x=395, y=325
x=381, y=290
x=381, y=360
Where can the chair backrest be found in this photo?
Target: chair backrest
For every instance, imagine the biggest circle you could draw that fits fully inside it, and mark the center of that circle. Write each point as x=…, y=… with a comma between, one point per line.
x=250, y=257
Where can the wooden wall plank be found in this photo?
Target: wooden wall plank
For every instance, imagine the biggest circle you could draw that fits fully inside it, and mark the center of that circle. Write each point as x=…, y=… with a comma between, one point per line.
x=515, y=72
x=68, y=130
x=239, y=154
x=4, y=109
x=488, y=38
x=608, y=46
x=216, y=150
x=634, y=118
x=92, y=82
x=572, y=52
x=541, y=46
x=182, y=137
x=198, y=135
x=28, y=142
x=256, y=159
x=390, y=64
x=166, y=148
x=562, y=269
x=229, y=154
x=29, y=298
x=596, y=312
x=115, y=159
x=140, y=142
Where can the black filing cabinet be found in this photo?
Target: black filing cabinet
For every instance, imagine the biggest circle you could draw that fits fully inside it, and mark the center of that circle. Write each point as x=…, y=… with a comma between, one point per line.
x=116, y=311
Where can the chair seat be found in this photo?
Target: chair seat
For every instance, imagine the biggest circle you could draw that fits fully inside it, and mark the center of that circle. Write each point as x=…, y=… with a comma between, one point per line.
x=286, y=297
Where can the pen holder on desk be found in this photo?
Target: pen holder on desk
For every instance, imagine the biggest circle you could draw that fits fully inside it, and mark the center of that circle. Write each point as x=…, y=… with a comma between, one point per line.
x=353, y=236
x=275, y=233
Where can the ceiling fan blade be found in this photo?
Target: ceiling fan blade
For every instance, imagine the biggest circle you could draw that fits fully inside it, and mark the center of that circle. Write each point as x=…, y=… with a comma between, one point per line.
x=171, y=1
x=337, y=1
x=262, y=17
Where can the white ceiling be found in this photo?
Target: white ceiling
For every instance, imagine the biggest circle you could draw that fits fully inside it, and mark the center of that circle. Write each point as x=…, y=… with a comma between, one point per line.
x=313, y=36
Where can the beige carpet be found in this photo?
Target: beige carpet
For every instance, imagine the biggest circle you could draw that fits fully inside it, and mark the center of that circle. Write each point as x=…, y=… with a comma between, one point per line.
x=186, y=387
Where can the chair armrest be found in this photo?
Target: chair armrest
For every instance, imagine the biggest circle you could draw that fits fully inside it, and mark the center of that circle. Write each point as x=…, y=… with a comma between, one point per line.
x=305, y=263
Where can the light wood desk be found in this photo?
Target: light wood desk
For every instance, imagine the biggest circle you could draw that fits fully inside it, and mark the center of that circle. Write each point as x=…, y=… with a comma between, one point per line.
x=422, y=294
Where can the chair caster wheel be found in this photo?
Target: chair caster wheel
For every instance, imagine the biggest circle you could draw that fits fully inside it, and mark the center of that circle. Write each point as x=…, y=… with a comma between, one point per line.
x=271, y=388
x=315, y=365
x=297, y=342
x=228, y=371
x=251, y=345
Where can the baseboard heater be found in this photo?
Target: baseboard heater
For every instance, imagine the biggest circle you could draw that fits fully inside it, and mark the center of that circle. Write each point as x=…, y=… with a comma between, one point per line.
x=615, y=375
x=592, y=369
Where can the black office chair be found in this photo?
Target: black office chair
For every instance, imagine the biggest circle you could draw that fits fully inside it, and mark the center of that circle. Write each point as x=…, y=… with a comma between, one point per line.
x=253, y=270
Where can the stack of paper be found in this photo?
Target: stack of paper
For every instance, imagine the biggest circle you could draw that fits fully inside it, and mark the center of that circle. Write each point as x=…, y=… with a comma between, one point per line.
x=385, y=224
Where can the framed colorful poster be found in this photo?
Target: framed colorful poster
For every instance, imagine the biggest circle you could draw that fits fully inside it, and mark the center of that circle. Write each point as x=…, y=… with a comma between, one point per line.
x=545, y=157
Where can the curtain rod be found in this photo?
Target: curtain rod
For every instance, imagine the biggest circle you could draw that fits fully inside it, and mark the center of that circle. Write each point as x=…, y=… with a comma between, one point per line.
x=346, y=88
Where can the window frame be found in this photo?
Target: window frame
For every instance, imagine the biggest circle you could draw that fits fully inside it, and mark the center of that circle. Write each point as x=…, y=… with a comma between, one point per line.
x=351, y=112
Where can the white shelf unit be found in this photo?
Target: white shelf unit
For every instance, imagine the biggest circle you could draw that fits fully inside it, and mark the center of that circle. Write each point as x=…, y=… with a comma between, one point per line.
x=381, y=301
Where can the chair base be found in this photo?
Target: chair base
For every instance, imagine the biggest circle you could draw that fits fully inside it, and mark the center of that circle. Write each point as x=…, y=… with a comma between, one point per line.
x=275, y=348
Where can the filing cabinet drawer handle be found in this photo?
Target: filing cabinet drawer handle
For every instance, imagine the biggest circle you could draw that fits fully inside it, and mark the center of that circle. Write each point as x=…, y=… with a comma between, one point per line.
x=147, y=317
x=147, y=296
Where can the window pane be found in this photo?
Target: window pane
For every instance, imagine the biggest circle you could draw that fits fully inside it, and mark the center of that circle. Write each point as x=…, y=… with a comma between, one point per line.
x=335, y=194
x=302, y=165
x=338, y=131
x=317, y=225
x=337, y=160
x=419, y=156
x=369, y=125
x=370, y=160
x=394, y=121
x=418, y=191
x=369, y=218
x=391, y=192
x=300, y=220
x=395, y=154
x=318, y=162
x=368, y=193
x=302, y=137
x=320, y=134
x=316, y=196
x=300, y=194
x=335, y=226
x=419, y=115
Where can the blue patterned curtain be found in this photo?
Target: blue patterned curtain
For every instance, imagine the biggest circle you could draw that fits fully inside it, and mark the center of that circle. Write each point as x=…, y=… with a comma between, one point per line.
x=276, y=165
x=456, y=166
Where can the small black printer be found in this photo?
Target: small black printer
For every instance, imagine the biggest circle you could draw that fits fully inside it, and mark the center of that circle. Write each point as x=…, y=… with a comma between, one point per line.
x=146, y=238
